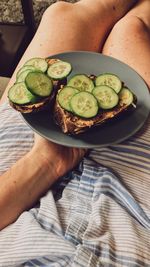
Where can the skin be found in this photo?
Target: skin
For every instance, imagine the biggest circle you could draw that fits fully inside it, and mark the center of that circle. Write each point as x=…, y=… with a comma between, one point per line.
x=129, y=40
x=19, y=192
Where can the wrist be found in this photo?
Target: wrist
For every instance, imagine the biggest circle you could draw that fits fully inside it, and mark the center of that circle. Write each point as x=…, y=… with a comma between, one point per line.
x=48, y=164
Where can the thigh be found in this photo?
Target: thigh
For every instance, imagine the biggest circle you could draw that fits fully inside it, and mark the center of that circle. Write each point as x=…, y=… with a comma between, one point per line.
x=80, y=26
x=129, y=41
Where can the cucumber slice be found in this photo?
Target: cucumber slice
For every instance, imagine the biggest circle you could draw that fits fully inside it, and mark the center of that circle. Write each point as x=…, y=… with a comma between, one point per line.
x=110, y=80
x=81, y=82
x=25, y=68
x=38, y=63
x=125, y=97
x=106, y=96
x=23, y=75
x=84, y=104
x=39, y=84
x=19, y=94
x=59, y=70
x=65, y=95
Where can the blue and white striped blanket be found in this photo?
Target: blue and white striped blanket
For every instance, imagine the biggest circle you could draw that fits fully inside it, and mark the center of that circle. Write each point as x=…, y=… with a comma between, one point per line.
x=97, y=215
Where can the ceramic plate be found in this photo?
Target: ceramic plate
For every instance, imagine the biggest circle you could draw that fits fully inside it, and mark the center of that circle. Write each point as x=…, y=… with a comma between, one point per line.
x=106, y=134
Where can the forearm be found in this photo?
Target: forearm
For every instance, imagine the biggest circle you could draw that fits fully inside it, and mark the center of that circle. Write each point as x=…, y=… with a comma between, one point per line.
x=22, y=186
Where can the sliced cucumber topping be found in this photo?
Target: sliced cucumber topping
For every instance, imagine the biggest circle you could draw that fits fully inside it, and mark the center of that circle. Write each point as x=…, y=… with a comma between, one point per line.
x=81, y=82
x=23, y=75
x=25, y=68
x=39, y=84
x=110, y=80
x=59, y=70
x=38, y=63
x=65, y=95
x=84, y=104
x=19, y=94
x=125, y=97
x=106, y=96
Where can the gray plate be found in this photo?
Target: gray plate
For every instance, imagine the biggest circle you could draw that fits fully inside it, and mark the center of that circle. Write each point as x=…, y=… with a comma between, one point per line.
x=109, y=133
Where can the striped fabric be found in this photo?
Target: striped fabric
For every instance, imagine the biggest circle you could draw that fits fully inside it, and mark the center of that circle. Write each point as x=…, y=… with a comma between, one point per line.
x=97, y=215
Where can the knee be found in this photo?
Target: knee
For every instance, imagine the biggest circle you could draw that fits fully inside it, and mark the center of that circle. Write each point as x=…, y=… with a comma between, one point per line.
x=130, y=26
x=56, y=9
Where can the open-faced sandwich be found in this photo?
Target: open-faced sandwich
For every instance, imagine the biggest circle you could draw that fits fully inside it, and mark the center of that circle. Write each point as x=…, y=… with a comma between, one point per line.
x=88, y=101
x=36, y=86
x=79, y=103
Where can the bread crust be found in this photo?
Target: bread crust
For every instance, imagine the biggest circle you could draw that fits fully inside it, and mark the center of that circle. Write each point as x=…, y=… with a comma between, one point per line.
x=72, y=124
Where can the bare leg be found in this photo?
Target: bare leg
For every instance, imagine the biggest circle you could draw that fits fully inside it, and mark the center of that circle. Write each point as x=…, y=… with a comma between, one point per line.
x=80, y=26
x=129, y=40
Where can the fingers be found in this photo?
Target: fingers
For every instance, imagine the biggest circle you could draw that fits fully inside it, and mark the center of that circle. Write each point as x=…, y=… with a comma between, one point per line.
x=79, y=153
x=83, y=152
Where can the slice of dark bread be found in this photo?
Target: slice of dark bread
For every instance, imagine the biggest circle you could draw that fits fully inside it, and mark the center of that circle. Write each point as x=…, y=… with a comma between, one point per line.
x=72, y=124
x=43, y=103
